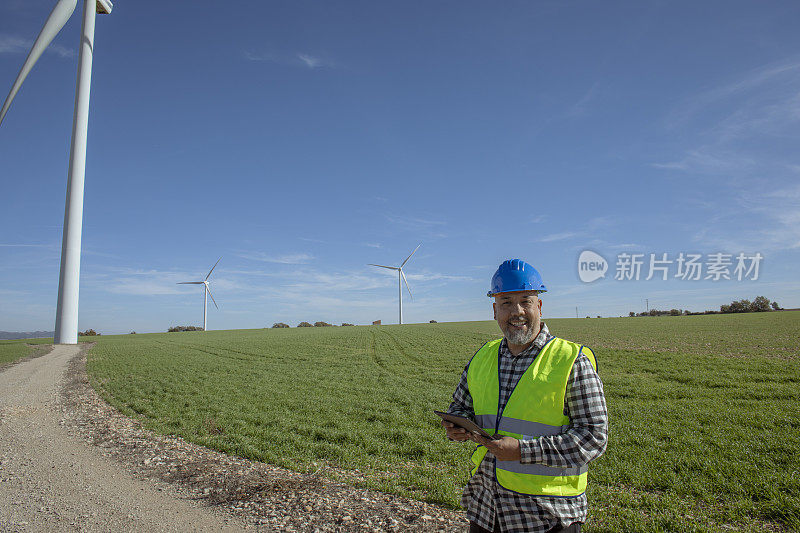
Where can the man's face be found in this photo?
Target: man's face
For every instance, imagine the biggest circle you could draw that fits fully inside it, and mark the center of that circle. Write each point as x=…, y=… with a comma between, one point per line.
x=519, y=315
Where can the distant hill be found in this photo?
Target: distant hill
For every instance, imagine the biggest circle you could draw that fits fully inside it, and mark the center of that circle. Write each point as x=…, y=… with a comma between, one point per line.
x=7, y=335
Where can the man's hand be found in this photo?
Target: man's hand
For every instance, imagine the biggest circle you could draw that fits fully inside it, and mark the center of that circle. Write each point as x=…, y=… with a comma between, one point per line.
x=454, y=432
x=505, y=449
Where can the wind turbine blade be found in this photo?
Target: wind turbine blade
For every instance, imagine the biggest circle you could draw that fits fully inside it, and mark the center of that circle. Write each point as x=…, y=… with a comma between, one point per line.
x=212, y=297
x=409, y=257
x=215, y=266
x=58, y=17
x=407, y=287
x=189, y=283
x=383, y=266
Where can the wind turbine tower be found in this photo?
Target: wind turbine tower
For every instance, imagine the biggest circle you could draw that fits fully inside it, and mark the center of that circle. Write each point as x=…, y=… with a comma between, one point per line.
x=401, y=277
x=66, y=331
x=206, y=292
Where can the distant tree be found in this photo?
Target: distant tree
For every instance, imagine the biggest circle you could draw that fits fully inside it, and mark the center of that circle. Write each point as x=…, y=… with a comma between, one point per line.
x=346, y=324
x=760, y=304
x=631, y=314
x=742, y=306
x=433, y=322
x=87, y=333
x=322, y=324
x=133, y=333
x=280, y=325
x=675, y=312
x=174, y=329
x=775, y=306
x=304, y=325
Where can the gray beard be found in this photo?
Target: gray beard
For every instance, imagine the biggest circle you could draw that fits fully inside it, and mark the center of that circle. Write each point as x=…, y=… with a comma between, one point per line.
x=520, y=337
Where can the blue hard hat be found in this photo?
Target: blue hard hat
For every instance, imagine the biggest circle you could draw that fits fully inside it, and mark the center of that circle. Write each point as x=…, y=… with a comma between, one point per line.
x=515, y=275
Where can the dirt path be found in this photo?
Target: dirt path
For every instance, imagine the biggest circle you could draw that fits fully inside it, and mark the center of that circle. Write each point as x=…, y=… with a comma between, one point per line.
x=71, y=462
x=51, y=480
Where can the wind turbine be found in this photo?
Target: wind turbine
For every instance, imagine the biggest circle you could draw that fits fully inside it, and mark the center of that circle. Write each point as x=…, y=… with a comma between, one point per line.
x=206, y=291
x=400, y=276
x=66, y=330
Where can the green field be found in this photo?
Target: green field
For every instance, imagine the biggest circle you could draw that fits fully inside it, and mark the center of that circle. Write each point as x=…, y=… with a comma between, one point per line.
x=704, y=410
x=12, y=350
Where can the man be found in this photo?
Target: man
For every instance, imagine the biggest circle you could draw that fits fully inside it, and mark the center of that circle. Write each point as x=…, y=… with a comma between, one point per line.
x=540, y=393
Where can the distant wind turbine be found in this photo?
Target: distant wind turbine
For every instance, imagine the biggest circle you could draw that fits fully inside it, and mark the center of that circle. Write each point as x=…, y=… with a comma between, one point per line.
x=66, y=331
x=401, y=275
x=206, y=291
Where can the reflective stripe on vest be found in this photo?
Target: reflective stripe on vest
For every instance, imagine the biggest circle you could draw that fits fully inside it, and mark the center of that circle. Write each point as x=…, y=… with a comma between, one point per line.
x=520, y=427
x=535, y=408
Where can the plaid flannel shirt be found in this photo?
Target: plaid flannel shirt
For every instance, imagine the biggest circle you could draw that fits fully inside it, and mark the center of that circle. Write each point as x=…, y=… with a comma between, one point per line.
x=485, y=500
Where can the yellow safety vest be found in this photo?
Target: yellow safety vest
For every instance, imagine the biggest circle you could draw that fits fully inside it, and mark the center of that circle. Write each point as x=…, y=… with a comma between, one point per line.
x=535, y=408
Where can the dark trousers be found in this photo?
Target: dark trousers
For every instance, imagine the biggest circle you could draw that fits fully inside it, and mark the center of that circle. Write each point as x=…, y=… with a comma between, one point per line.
x=575, y=527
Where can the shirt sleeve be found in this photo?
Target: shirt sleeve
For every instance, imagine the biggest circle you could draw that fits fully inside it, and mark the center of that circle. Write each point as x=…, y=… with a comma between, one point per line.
x=462, y=399
x=587, y=435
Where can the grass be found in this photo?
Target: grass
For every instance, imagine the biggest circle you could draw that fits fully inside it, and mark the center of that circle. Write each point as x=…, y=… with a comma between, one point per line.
x=15, y=349
x=10, y=351
x=704, y=410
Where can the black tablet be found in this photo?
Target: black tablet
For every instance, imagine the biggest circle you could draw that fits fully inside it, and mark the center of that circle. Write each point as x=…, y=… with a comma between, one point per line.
x=466, y=423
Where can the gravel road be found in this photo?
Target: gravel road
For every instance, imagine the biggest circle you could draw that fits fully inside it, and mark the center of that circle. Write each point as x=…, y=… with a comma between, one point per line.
x=51, y=480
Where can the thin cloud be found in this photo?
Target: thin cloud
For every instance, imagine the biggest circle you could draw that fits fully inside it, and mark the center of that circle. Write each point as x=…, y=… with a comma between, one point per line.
x=151, y=282
x=250, y=272
x=95, y=253
x=318, y=284
x=286, y=259
x=138, y=282
x=435, y=276
x=774, y=223
x=414, y=222
x=14, y=45
x=580, y=107
x=373, y=244
x=17, y=45
x=558, y=236
x=298, y=59
x=761, y=81
x=27, y=245
x=755, y=204
x=61, y=51
x=782, y=207
x=307, y=281
x=706, y=160
x=142, y=288
x=720, y=124
x=601, y=222
x=310, y=61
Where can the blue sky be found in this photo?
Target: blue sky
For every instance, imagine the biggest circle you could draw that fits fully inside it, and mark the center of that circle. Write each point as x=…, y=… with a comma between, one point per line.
x=300, y=141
